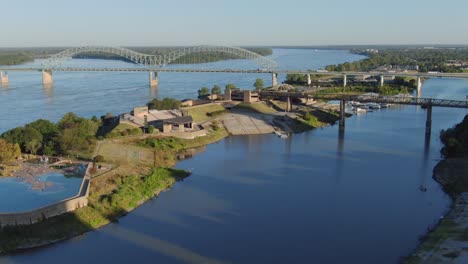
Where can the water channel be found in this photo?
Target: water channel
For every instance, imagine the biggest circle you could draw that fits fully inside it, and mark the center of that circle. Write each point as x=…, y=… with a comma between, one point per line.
x=316, y=197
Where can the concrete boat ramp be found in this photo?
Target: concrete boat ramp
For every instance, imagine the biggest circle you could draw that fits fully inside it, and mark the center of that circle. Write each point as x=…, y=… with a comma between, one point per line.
x=248, y=123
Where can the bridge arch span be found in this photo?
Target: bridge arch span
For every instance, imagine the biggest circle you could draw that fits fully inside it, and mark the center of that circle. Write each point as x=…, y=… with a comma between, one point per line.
x=157, y=61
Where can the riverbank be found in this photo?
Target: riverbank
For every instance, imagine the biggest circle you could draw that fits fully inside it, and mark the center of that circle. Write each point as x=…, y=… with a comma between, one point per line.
x=448, y=241
x=111, y=196
x=116, y=193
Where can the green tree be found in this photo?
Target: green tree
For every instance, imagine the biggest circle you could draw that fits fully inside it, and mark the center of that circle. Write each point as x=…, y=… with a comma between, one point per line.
x=150, y=129
x=32, y=146
x=216, y=89
x=296, y=79
x=49, y=132
x=203, y=92
x=165, y=104
x=77, y=135
x=230, y=86
x=15, y=135
x=258, y=84
x=32, y=140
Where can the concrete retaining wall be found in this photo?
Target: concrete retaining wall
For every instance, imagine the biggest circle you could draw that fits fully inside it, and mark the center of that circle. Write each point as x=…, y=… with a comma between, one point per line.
x=58, y=208
x=186, y=135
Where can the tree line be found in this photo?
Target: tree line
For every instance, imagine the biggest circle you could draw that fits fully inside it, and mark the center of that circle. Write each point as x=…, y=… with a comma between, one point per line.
x=426, y=59
x=13, y=58
x=455, y=140
x=72, y=135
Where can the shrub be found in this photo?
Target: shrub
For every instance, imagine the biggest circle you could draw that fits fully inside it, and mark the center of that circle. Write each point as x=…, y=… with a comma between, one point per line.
x=99, y=158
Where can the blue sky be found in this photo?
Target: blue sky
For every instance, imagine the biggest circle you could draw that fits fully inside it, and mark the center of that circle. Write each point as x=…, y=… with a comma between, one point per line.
x=237, y=22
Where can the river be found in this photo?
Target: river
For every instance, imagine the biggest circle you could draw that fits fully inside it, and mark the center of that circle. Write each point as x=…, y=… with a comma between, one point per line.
x=316, y=197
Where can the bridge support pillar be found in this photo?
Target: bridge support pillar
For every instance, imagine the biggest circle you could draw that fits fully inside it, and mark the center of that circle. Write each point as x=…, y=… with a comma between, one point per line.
x=47, y=77
x=153, y=78
x=4, y=78
x=274, y=79
x=382, y=80
x=428, y=120
x=288, y=104
x=419, y=86
x=342, y=113
x=309, y=80
x=345, y=80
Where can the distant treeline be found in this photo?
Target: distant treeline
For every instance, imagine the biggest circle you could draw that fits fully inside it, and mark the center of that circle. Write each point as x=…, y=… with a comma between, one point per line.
x=426, y=59
x=13, y=58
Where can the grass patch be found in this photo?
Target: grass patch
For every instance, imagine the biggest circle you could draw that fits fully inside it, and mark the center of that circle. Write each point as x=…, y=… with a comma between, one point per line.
x=444, y=230
x=199, y=113
x=255, y=107
x=166, y=148
x=172, y=144
x=123, y=127
x=279, y=104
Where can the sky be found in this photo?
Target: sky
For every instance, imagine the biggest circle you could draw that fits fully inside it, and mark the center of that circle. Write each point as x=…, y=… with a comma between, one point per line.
x=33, y=23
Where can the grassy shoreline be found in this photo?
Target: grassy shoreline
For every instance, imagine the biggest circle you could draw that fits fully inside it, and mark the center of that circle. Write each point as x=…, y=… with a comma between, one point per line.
x=448, y=240
x=112, y=195
x=103, y=208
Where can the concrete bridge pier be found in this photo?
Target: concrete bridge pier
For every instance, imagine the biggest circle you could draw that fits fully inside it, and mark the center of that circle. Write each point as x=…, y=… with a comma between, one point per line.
x=309, y=80
x=153, y=78
x=288, y=104
x=342, y=113
x=4, y=78
x=382, y=80
x=47, y=77
x=345, y=80
x=274, y=79
x=419, y=86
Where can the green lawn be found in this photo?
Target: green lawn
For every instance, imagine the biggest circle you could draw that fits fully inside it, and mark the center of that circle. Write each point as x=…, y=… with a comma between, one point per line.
x=199, y=113
x=256, y=107
x=123, y=126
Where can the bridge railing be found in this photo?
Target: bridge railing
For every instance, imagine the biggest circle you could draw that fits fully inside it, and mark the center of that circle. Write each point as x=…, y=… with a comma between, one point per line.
x=404, y=100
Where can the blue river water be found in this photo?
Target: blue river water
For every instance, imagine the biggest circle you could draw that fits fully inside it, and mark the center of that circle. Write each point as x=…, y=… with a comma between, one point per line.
x=316, y=197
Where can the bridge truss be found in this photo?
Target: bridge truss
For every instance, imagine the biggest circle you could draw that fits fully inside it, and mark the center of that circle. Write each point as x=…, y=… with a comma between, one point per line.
x=158, y=61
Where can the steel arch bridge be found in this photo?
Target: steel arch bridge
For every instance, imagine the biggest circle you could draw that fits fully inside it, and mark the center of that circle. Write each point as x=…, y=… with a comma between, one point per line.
x=158, y=61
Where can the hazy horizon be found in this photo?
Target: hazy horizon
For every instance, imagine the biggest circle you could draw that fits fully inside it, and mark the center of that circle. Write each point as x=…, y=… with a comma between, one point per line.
x=27, y=23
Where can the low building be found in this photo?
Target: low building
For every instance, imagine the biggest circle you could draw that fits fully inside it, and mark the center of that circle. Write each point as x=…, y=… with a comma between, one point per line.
x=243, y=96
x=178, y=124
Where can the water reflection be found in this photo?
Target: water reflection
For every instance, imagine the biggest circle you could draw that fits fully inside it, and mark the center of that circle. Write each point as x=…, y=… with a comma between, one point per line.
x=153, y=91
x=48, y=91
x=288, y=144
x=424, y=165
x=340, y=156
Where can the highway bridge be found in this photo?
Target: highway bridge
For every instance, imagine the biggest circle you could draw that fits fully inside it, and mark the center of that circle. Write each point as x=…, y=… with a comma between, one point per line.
x=427, y=103
x=154, y=64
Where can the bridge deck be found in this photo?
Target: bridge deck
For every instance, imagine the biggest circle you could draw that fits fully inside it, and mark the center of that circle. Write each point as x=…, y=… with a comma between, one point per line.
x=159, y=69
x=404, y=100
